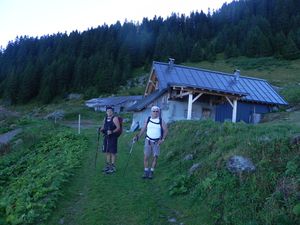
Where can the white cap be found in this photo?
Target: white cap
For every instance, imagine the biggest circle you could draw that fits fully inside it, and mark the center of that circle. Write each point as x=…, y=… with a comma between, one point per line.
x=153, y=108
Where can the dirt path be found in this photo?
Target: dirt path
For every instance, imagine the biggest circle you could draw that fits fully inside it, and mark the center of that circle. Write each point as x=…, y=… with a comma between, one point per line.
x=83, y=125
x=7, y=137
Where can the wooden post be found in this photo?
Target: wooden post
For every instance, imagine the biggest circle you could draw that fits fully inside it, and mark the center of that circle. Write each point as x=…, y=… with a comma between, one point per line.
x=234, y=111
x=234, y=108
x=190, y=104
x=79, y=124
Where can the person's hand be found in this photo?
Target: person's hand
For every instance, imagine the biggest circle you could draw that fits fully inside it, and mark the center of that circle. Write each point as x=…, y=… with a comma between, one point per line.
x=135, y=138
x=160, y=141
x=109, y=132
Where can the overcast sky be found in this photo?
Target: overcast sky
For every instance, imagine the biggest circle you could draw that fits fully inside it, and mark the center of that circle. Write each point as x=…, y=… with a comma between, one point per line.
x=35, y=18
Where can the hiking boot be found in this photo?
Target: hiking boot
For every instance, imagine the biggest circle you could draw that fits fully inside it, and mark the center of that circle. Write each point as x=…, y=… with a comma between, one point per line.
x=111, y=170
x=106, y=168
x=150, y=176
x=145, y=175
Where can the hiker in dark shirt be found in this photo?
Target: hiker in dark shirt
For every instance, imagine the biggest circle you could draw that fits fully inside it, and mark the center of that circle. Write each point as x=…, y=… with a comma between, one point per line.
x=110, y=128
x=156, y=132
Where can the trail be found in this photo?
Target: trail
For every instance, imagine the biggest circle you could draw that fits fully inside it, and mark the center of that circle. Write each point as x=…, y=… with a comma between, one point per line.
x=93, y=197
x=5, y=138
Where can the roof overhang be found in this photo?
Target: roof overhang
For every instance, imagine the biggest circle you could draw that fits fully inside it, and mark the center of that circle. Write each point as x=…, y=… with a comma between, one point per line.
x=204, y=90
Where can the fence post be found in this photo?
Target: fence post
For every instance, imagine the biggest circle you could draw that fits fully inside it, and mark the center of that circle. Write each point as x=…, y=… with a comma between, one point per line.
x=79, y=124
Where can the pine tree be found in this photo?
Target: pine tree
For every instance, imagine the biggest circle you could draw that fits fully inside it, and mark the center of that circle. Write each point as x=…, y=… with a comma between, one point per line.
x=290, y=50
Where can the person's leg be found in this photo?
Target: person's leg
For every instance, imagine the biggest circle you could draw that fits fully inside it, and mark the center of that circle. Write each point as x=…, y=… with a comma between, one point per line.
x=154, y=161
x=156, y=151
x=107, y=166
x=108, y=158
x=113, y=162
x=112, y=150
x=147, y=151
x=113, y=158
x=146, y=159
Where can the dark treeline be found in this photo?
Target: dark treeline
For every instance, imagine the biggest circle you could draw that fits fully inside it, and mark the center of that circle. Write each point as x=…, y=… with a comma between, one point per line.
x=99, y=60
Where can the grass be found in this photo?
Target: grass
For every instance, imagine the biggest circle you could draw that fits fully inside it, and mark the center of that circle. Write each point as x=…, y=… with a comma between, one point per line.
x=95, y=198
x=34, y=171
x=101, y=197
x=276, y=71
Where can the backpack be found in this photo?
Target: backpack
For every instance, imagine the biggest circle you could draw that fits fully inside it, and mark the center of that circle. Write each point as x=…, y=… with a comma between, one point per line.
x=160, y=123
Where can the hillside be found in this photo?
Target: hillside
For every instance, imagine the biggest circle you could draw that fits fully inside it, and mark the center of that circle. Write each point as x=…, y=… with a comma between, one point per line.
x=192, y=184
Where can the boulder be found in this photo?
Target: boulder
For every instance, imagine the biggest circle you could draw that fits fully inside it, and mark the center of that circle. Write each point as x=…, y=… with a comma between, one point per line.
x=240, y=164
x=57, y=115
x=295, y=140
x=74, y=96
x=188, y=157
x=194, y=168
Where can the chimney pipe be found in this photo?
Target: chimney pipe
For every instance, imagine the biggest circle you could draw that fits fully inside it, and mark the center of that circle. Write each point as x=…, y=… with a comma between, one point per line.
x=171, y=62
x=236, y=74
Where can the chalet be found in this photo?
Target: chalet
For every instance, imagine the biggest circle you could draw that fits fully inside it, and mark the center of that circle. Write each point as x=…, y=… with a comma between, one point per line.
x=192, y=93
x=120, y=103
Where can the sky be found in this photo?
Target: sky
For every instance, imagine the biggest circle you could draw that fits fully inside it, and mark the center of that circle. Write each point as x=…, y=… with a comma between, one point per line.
x=35, y=18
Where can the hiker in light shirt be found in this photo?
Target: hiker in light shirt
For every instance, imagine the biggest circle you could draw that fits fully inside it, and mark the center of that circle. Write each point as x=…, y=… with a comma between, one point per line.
x=156, y=132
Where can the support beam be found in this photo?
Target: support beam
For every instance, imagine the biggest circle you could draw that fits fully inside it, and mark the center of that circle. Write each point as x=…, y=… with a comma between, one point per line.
x=182, y=94
x=190, y=104
x=230, y=102
x=234, y=108
x=198, y=96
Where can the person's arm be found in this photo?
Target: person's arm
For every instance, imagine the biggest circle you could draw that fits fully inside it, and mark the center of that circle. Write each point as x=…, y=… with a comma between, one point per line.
x=117, y=124
x=142, y=131
x=165, y=132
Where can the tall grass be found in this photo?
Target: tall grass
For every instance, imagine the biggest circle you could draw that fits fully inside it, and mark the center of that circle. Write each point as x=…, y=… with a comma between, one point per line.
x=267, y=196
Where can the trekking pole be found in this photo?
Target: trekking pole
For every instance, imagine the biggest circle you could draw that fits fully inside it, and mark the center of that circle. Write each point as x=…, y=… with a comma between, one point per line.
x=97, y=149
x=130, y=151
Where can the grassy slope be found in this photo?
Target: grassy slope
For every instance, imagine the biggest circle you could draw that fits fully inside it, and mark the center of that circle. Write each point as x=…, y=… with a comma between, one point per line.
x=95, y=198
x=278, y=72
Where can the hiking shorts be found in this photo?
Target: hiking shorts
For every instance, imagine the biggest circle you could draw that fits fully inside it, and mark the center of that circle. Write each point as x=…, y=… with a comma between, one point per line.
x=110, y=144
x=151, y=147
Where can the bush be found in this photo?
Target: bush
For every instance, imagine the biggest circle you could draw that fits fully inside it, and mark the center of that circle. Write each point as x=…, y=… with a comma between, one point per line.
x=292, y=94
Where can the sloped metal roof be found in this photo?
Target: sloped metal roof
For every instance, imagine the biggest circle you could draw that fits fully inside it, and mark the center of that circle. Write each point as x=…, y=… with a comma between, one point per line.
x=253, y=89
x=112, y=101
x=146, y=101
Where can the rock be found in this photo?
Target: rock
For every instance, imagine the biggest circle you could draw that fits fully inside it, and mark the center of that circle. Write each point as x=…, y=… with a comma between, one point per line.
x=74, y=96
x=287, y=186
x=239, y=164
x=172, y=220
x=57, y=115
x=295, y=140
x=194, y=168
x=188, y=157
x=4, y=148
x=61, y=221
x=264, y=139
x=18, y=143
x=13, y=126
